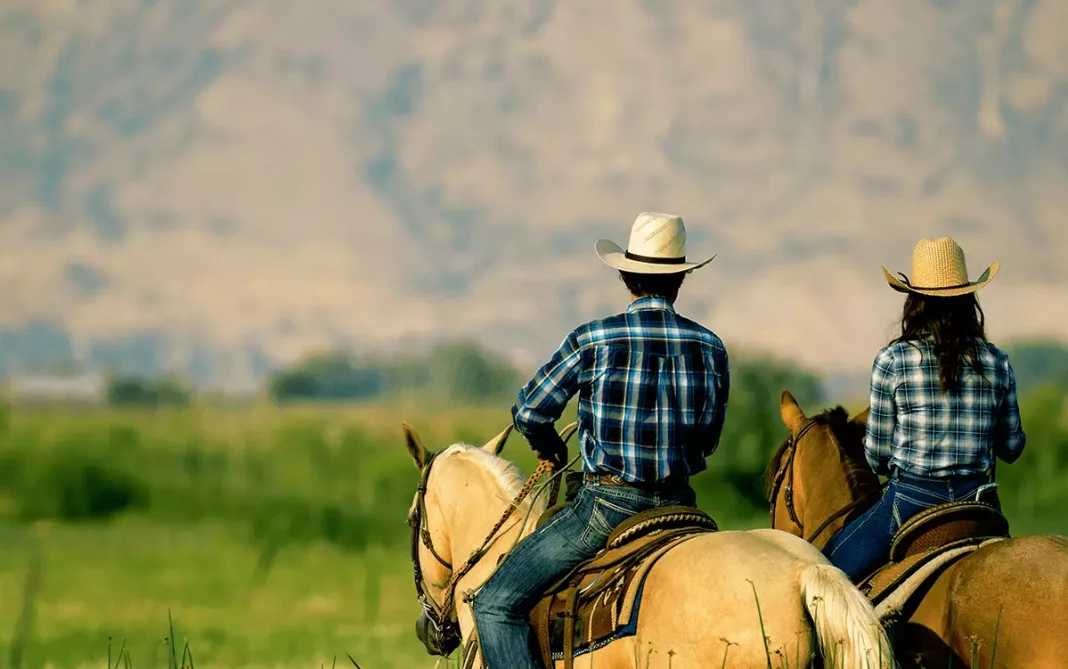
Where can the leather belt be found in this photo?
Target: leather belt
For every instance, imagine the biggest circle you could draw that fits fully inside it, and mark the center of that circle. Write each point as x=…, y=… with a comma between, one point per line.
x=613, y=480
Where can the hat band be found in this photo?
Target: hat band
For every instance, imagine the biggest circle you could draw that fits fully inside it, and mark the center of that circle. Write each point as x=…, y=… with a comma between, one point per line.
x=908, y=283
x=655, y=261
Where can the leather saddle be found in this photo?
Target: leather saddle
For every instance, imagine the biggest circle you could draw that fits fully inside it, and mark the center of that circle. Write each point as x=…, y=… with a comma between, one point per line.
x=931, y=541
x=597, y=602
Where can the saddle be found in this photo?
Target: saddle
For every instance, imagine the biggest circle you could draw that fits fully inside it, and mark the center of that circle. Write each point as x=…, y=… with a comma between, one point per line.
x=928, y=543
x=597, y=602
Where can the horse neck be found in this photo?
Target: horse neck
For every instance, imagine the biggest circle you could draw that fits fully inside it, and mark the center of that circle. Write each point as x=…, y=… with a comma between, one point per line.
x=474, y=504
x=824, y=488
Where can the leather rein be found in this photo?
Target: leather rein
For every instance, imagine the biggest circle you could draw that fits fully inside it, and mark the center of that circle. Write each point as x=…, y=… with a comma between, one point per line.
x=785, y=475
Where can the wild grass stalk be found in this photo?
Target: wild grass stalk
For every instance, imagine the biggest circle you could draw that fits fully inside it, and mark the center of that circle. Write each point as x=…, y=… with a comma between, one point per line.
x=760, y=617
x=24, y=627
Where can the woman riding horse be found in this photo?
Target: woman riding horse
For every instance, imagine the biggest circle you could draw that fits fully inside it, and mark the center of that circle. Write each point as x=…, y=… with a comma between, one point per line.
x=943, y=405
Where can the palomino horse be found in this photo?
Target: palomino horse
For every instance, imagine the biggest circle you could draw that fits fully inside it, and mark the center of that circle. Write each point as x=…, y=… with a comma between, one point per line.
x=1002, y=605
x=722, y=598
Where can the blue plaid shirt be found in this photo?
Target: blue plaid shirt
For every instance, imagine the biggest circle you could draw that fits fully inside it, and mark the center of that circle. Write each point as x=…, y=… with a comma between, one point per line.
x=652, y=390
x=916, y=428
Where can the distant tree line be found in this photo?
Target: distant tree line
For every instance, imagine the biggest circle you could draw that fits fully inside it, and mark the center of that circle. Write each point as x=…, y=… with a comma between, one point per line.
x=465, y=373
x=132, y=391
x=459, y=371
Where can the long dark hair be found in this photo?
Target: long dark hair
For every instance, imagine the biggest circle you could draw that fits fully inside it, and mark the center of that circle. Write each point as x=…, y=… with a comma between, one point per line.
x=954, y=325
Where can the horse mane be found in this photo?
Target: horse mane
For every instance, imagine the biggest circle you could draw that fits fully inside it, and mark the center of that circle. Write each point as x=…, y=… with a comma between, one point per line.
x=849, y=437
x=505, y=472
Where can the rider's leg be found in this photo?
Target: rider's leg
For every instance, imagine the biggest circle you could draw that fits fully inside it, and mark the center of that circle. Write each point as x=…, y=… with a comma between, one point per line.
x=864, y=544
x=502, y=607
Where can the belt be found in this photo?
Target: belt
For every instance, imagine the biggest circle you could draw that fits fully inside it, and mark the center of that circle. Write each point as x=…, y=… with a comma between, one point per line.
x=899, y=475
x=613, y=480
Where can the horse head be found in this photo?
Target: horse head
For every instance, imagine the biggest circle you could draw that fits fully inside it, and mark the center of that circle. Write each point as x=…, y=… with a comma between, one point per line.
x=819, y=478
x=465, y=482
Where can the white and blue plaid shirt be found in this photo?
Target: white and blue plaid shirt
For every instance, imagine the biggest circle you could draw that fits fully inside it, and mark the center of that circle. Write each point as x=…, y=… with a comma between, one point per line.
x=652, y=387
x=916, y=428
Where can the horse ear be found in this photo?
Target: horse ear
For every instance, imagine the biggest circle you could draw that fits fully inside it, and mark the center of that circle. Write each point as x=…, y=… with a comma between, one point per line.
x=792, y=415
x=862, y=417
x=415, y=445
x=496, y=445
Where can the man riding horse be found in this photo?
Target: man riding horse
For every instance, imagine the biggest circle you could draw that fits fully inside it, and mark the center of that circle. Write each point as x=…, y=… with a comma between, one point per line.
x=653, y=389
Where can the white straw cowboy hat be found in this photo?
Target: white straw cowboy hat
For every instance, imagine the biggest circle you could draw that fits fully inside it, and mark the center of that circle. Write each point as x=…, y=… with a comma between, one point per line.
x=657, y=245
x=939, y=270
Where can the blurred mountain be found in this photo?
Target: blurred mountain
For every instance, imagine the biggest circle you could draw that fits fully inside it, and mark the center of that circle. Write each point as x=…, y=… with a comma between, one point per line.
x=222, y=185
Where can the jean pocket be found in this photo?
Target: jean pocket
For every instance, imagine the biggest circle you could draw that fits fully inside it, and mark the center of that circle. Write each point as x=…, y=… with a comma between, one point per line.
x=923, y=495
x=605, y=517
x=905, y=507
x=895, y=520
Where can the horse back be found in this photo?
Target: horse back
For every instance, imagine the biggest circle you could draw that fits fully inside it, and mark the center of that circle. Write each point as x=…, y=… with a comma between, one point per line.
x=1005, y=602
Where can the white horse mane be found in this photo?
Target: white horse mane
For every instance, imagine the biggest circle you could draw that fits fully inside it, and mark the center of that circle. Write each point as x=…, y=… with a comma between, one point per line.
x=504, y=472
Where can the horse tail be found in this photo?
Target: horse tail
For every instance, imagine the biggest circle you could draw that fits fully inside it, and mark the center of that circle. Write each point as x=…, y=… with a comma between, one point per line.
x=847, y=630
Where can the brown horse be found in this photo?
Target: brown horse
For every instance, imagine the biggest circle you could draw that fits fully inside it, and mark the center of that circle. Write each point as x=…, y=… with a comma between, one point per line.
x=1003, y=605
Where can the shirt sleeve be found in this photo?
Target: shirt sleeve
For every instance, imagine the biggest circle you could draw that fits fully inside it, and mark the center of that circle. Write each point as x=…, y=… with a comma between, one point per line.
x=880, y=431
x=542, y=400
x=1010, y=438
x=718, y=388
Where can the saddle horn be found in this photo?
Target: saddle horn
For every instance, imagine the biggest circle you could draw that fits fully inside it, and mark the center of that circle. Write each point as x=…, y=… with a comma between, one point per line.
x=568, y=432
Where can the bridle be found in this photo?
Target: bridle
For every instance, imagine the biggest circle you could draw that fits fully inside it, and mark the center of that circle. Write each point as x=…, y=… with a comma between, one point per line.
x=442, y=633
x=445, y=629
x=786, y=475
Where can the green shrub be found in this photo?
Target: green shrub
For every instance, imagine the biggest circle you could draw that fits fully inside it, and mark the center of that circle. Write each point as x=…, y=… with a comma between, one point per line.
x=77, y=488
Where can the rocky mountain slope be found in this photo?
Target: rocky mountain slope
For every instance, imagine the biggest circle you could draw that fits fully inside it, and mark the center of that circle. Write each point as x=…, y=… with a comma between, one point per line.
x=238, y=181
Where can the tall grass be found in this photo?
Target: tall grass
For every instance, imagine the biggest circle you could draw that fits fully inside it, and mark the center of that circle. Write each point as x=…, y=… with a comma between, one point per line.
x=339, y=474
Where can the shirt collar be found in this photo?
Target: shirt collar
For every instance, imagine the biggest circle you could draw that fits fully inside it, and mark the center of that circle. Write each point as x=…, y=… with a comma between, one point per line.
x=647, y=303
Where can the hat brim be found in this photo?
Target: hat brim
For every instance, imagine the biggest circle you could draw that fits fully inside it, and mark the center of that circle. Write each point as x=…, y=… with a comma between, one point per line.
x=615, y=257
x=984, y=278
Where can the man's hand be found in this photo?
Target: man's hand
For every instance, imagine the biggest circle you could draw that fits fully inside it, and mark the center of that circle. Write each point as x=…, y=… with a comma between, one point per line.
x=555, y=453
x=548, y=445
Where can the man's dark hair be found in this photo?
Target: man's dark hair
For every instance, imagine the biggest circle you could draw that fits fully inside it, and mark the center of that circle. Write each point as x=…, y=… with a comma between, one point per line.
x=654, y=285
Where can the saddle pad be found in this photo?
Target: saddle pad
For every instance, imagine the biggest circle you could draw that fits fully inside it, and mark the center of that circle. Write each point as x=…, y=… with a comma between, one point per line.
x=888, y=578
x=612, y=612
x=896, y=599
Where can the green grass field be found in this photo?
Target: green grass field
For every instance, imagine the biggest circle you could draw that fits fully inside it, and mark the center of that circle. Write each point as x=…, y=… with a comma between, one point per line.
x=273, y=537
x=120, y=581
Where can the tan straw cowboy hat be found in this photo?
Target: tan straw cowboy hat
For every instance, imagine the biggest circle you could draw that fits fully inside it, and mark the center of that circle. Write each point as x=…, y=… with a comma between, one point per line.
x=657, y=245
x=939, y=270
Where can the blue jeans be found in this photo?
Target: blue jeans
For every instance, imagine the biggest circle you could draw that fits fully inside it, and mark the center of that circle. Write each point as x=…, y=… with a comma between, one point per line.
x=502, y=607
x=864, y=544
